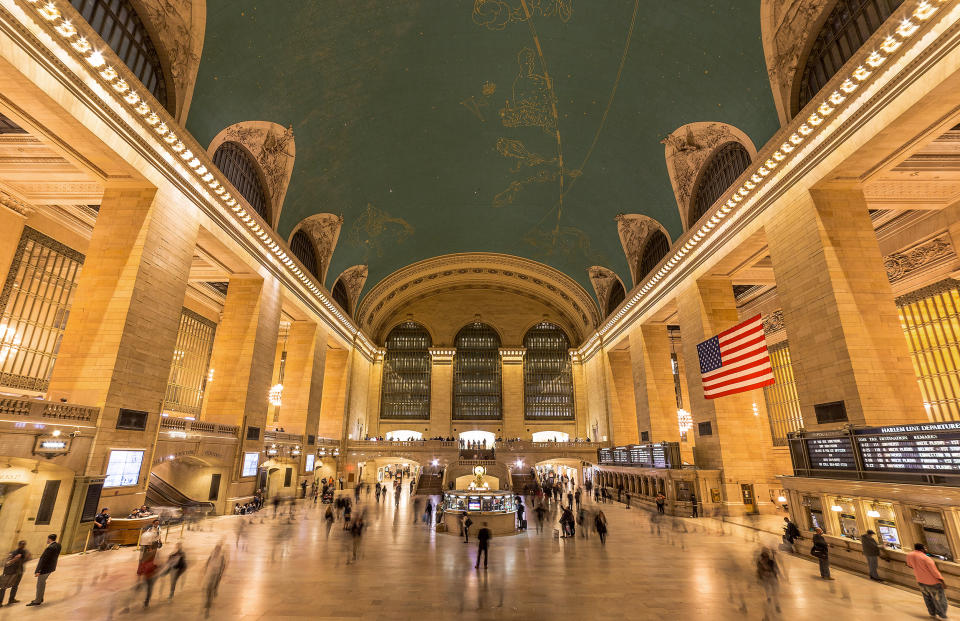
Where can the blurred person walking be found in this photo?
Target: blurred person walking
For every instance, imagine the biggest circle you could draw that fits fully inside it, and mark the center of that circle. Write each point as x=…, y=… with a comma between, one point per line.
x=175, y=566
x=213, y=573
x=13, y=572
x=768, y=574
x=483, y=545
x=600, y=522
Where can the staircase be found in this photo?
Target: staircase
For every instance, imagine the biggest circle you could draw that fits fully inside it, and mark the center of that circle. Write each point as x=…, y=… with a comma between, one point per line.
x=162, y=494
x=429, y=485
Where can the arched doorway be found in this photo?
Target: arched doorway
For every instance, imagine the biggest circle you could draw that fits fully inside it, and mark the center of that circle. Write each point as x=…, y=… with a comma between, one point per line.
x=484, y=439
x=403, y=435
x=551, y=436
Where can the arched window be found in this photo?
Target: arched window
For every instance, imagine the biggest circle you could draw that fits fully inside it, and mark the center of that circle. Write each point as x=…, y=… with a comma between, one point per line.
x=616, y=297
x=476, y=374
x=657, y=247
x=302, y=248
x=119, y=26
x=238, y=166
x=340, y=296
x=849, y=25
x=547, y=374
x=406, y=373
x=727, y=163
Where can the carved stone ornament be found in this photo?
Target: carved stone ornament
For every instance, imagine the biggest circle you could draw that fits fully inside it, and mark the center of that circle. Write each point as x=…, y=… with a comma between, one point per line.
x=773, y=322
x=688, y=148
x=635, y=230
x=273, y=148
x=353, y=278
x=15, y=204
x=324, y=230
x=901, y=264
x=602, y=280
x=177, y=28
x=786, y=27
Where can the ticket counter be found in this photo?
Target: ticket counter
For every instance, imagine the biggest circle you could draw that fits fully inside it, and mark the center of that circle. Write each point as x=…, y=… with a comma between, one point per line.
x=497, y=508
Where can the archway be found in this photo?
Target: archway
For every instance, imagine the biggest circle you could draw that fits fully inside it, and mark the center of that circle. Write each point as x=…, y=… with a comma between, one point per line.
x=551, y=436
x=485, y=439
x=563, y=471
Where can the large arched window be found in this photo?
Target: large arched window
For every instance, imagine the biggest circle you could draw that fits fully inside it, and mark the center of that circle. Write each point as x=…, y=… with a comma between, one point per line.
x=302, y=248
x=406, y=373
x=476, y=374
x=657, y=247
x=238, y=166
x=340, y=296
x=117, y=23
x=727, y=163
x=847, y=28
x=616, y=296
x=547, y=374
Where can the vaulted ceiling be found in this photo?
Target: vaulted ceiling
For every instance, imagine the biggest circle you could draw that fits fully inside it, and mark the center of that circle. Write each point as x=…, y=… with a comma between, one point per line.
x=513, y=126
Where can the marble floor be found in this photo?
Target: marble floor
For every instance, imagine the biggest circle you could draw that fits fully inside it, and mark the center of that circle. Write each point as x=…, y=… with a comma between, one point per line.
x=281, y=571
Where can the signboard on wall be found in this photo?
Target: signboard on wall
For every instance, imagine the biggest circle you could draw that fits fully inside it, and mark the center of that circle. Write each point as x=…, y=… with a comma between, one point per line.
x=660, y=455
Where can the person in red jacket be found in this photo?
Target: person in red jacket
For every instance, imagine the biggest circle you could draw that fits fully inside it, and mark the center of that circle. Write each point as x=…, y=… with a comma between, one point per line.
x=930, y=581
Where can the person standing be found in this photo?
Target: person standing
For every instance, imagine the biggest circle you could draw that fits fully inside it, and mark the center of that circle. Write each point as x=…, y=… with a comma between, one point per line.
x=628, y=499
x=540, y=511
x=930, y=581
x=100, y=528
x=821, y=551
x=13, y=572
x=45, y=566
x=483, y=545
x=871, y=551
x=790, y=532
x=467, y=522
x=577, y=497
x=694, y=507
x=661, y=501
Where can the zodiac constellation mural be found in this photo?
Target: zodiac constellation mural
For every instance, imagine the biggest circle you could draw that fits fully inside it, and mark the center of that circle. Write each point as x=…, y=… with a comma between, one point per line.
x=533, y=103
x=375, y=229
x=497, y=14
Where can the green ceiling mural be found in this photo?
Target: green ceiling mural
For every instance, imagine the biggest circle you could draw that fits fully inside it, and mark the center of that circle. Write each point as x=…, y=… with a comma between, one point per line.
x=517, y=126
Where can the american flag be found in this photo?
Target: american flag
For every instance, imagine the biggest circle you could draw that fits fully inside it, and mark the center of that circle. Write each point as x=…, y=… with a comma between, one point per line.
x=736, y=360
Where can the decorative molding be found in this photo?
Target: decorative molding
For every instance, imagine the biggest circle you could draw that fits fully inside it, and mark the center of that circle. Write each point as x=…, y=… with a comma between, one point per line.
x=947, y=284
x=442, y=356
x=899, y=265
x=773, y=322
x=16, y=205
x=635, y=230
x=512, y=355
x=324, y=230
x=482, y=269
x=688, y=149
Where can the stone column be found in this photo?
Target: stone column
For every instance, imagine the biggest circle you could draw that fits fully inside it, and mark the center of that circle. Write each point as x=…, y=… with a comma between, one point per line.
x=334, y=389
x=303, y=378
x=846, y=343
x=623, y=404
x=441, y=391
x=739, y=441
x=511, y=365
x=373, y=399
x=118, y=344
x=13, y=214
x=654, y=387
x=243, y=354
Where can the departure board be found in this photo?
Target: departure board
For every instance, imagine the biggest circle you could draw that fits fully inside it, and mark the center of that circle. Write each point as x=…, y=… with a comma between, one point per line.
x=640, y=455
x=621, y=456
x=930, y=448
x=660, y=456
x=831, y=453
x=605, y=456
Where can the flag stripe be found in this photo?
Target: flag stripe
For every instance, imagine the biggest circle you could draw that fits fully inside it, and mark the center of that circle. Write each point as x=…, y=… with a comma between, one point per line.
x=736, y=360
x=734, y=391
x=753, y=373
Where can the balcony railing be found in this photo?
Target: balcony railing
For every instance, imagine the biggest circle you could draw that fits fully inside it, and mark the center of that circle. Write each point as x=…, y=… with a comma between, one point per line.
x=17, y=408
x=172, y=423
x=282, y=438
x=414, y=444
x=527, y=445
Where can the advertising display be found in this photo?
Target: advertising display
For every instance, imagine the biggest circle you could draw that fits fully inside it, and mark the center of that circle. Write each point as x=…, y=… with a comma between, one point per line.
x=123, y=468
x=250, y=463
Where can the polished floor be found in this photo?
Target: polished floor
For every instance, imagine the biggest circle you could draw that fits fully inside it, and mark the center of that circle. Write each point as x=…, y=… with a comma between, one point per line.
x=279, y=570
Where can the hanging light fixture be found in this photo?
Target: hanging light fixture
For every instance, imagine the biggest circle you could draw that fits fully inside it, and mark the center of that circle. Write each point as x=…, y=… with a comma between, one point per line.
x=684, y=420
x=276, y=395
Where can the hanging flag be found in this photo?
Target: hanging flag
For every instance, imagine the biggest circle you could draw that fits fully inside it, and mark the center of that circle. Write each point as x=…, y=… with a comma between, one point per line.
x=736, y=360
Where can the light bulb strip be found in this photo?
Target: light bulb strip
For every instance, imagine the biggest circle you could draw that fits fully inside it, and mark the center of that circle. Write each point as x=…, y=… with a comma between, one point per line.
x=806, y=130
x=155, y=119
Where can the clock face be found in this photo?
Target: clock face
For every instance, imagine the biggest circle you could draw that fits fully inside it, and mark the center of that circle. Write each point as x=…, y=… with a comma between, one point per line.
x=479, y=471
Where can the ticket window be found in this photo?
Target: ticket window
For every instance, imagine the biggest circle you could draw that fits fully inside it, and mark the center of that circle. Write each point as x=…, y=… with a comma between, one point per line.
x=846, y=518
x=884, y=521
x=932, y=532
x=814, y=513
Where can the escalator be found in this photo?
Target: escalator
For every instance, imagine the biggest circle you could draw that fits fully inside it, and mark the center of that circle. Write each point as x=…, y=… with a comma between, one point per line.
x=165, y=499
